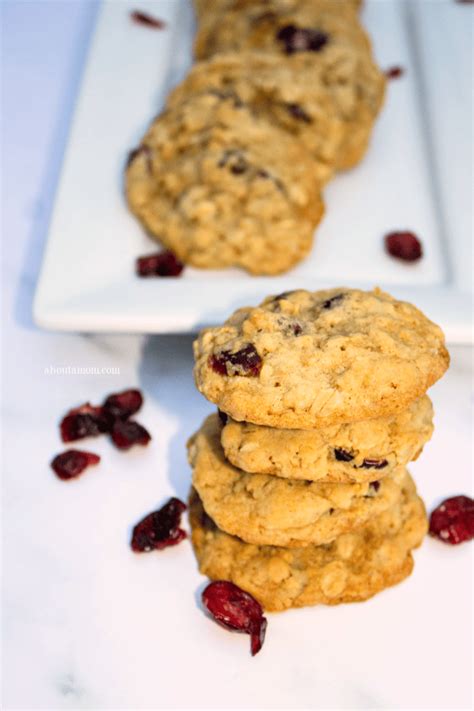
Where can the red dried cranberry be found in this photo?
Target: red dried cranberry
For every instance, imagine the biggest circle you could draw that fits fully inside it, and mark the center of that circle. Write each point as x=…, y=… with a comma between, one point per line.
x=453, y=520
x=143, y=18
x=126, y=433
x=245, y=361
x=159, y=529
x=342, y=455
x=84, y=421
x=299, y=113
x=236, y=609
x=297, y=329
x=394, y=72
x=375, y=485
x=333, y=301
x=374, y=464
x=72, y=462
x=301, y=39
x=403, y=245
x=161, y=264
x=123, y=405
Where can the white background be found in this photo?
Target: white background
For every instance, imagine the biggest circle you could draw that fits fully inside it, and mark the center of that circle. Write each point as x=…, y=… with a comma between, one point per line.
x=88, y=625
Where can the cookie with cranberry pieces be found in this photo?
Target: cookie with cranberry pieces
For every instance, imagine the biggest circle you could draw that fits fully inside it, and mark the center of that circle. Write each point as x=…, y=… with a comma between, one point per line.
x=220, y=187
x=284, y=27
x=354, y=567
x=305, y=360
x=293, y=96
x=268, y=510
x=353, y=452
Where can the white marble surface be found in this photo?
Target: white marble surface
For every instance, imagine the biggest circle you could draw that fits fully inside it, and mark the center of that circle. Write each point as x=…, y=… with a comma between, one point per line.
x=88, y=625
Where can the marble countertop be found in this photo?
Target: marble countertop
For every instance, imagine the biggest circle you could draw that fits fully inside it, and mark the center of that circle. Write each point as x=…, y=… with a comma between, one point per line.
x=87, y=625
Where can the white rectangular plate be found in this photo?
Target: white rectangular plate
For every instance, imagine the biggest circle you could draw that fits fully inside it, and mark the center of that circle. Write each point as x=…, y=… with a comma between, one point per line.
x=406, y=181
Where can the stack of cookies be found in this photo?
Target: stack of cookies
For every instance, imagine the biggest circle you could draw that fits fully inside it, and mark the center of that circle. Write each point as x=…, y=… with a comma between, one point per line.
x=300, y=489
x=285, y=94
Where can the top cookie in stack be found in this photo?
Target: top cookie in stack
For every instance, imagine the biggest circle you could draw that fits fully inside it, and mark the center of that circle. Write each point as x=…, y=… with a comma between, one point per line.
x=304, y=360
x=285, y=95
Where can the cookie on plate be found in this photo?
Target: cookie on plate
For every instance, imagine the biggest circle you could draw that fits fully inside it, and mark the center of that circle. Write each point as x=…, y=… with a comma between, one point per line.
x=304, y=360
x=221, y=188
x=353, y=452
x=267, y=510
x=286, y=27
x=354, y=567
x=325, y=104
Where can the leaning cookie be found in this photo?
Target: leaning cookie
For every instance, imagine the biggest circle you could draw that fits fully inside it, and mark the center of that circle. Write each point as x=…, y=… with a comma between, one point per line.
x=353, y=452
x=352, y=568
x=267, y=510
x=298, y=97
x=221, y=188
x=304, y=360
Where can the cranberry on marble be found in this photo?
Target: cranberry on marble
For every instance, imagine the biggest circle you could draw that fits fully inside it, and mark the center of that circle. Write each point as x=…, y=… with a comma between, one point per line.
x=84, y=421
x=159, y=529
x=127, y=433
x=72, y=463
x=124, y=404
x=236, y=609
x=453, y=520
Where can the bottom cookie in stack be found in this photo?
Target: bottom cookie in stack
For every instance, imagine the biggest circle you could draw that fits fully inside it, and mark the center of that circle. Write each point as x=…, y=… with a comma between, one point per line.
x=353, y=567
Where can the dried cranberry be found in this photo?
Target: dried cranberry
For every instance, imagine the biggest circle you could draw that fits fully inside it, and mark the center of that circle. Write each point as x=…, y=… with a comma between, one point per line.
x=161, y=264
x=297, y=329
x=333, y=301
x=143, y=18
x=374, y=464
x=299, y=113
x=245, y=361
x=159, y=529
x=123, y=405
x=236, y=609
x=300, y=39
x=222, y=416
x=84, y=421
x=394, y=72
x=72, y=462
x=403, y=245
x=375, y=485
x=342, y=455
x=453, y=520
x=126, y=433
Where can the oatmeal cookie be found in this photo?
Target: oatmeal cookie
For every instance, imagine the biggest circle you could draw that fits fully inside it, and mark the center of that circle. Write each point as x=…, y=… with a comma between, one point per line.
x=304, y=360
x=222, y=188
x=285, y=26
x=353, y=452
x=354, y=567
x=268, y=510
x=324, y=104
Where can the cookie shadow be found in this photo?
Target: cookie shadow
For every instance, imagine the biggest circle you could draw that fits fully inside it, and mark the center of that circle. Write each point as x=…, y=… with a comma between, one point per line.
x=166, y=375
